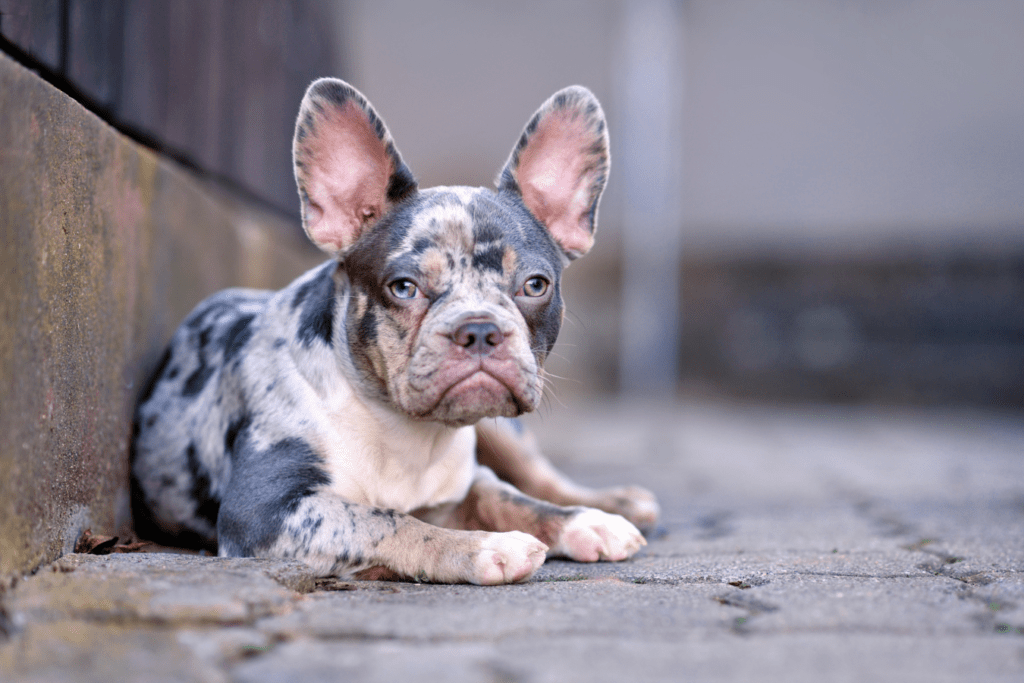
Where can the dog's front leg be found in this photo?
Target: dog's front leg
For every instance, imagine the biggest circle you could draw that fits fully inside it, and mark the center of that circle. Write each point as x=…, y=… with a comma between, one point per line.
x=339, y=538
x=506, y=447
x=578, y=533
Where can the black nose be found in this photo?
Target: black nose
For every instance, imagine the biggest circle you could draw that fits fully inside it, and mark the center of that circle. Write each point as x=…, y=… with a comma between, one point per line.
x=479, y=338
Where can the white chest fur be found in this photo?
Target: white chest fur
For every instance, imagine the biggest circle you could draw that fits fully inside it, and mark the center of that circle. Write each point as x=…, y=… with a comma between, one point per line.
x=380, y=458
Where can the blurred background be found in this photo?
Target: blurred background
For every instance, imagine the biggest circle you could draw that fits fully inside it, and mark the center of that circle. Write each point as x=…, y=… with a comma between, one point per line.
x=810, y=200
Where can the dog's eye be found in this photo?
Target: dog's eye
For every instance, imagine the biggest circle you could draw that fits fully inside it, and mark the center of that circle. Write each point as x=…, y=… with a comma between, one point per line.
x=534, y=287
x=404, y=289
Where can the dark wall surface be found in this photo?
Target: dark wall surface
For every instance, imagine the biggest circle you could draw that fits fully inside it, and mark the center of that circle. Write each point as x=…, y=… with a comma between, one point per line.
x=214, y=84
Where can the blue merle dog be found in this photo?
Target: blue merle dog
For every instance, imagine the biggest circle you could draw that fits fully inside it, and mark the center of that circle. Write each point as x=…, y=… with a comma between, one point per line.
x=340, y=421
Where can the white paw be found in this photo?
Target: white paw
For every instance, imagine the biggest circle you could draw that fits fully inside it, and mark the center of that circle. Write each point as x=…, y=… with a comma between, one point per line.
x=507, y=558
x=594, y=535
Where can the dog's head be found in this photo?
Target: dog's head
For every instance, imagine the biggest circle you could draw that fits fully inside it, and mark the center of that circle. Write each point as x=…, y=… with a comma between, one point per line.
x=454, y=291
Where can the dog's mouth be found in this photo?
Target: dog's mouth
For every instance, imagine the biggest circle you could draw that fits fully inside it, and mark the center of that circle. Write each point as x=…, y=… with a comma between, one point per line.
x=479, y=387
x=469, y=391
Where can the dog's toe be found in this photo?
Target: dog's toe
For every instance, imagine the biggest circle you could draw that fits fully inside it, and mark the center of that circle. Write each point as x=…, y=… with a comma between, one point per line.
x=508, y=558
x=594, y=535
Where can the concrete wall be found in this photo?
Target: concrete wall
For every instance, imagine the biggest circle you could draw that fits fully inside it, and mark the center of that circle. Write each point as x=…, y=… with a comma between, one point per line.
x=105, y=247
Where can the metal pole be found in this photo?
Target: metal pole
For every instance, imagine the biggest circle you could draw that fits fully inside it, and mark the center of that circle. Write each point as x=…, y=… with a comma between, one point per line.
x=649, y=156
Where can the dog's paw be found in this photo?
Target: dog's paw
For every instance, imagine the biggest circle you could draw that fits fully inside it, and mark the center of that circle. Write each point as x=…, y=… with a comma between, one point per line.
x=507, y=557
x=593, y=535
x=635, y=503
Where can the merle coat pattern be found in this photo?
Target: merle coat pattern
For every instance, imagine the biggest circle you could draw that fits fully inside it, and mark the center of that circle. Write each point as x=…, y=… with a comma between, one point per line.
x=359, y=419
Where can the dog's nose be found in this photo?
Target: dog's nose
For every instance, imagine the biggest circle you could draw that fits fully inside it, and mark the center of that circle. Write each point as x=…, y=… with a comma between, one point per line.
x=478, y=337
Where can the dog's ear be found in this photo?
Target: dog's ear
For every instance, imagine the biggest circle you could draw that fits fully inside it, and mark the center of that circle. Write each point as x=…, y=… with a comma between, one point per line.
x=347, y=167
x=560, y=165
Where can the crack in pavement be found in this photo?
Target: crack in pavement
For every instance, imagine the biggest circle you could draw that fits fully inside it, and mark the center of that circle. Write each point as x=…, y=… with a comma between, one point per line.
x=943, y=566
x=714, y=525
x=888, y=523
x=751, y=605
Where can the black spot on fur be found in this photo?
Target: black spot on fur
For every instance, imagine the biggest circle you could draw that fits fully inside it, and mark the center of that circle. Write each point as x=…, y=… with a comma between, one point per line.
x=237, y=336
x=207, y=309
x=485, y=232
x=490, y=259
x=308, y=124
x=312, y=525
x=206, y=506
x=146, y=526
x=367, y=329
x=235, y=427
x=386, y=515
x=266, y=487
x=147, y=391
x=421, y=245
x=317, y=318
x=198, y=379
x=540, y=508
x=204, y=337
x=402, y=182
x=335, y=92
x=302, y=293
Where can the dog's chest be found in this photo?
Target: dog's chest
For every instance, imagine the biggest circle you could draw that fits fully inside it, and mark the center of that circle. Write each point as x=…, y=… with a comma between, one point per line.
x=397, y=463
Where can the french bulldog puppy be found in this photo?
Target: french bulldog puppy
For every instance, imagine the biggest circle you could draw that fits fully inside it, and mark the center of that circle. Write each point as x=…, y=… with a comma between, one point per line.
x=358, y=419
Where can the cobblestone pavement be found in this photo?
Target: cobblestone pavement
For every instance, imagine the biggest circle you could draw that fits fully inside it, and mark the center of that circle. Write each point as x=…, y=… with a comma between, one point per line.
x=799, y=544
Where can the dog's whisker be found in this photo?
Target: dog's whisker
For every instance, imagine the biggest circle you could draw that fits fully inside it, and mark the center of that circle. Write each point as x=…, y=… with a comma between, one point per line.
x=573, y=319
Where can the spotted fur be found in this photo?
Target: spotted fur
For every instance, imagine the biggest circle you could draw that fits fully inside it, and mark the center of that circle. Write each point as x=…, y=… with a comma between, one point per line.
x=337, y=420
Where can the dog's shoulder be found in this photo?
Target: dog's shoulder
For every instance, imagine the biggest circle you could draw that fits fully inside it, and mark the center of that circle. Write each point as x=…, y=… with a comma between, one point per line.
x=231, y=341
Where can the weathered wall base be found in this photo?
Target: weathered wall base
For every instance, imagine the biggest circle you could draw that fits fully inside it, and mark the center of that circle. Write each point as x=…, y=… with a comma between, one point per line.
x=105, y=247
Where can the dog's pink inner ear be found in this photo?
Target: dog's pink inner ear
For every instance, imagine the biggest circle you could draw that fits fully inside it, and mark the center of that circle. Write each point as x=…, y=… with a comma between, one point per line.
x=347, y=169
x=558, y=172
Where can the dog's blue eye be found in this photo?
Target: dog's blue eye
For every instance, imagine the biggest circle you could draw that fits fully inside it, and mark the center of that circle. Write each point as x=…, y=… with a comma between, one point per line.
x=534, y=287
x=404, y=289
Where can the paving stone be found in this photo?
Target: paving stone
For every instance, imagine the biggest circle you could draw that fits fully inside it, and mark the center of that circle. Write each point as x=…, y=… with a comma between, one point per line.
x=86, y=651
x=539, y=659
x=385, y=661
x=852, y=658
x=290, y=574
x=553, y=605
x=157, y=588
x=927, y=606
x=221, y=647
